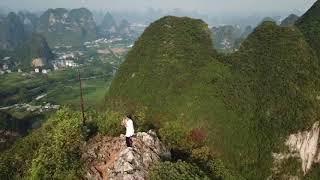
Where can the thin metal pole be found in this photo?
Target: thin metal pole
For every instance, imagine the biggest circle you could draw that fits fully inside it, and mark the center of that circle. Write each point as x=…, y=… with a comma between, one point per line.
x=81, y=99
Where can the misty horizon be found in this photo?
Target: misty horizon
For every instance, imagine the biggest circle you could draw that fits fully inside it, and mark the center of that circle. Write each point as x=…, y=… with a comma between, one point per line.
x=214, y=12
x=203, y=6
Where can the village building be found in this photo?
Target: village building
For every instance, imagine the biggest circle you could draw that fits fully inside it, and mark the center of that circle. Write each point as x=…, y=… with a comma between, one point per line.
x=5, y=67
x=70, y=63
x=68, y=56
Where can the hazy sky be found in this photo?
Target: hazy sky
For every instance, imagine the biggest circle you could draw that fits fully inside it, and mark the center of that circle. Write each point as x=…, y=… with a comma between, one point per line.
x=213, y=6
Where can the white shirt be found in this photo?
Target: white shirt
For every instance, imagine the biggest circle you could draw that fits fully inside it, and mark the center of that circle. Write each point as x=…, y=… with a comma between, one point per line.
x=129, y=128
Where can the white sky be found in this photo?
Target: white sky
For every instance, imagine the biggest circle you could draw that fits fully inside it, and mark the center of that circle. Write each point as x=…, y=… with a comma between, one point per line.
x=207, y=6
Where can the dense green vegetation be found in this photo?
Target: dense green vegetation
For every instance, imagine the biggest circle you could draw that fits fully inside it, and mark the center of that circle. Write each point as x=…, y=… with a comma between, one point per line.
x=309, y=24
x=222, y=116
x=248, y=101
x=279, y=80
x=53, y=151
x=179, y=171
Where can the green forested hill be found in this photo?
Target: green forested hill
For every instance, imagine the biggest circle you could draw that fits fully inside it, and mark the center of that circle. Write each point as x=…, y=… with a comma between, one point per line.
x=247, y=101
x=309, y=24
x=283, y=72
x=222, y=114
x=170, y=48
x=279, y=71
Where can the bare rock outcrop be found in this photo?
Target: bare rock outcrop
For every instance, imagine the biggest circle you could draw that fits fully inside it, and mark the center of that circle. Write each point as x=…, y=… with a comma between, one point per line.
x=303, y=146
x=306, y=144
x=109, y=158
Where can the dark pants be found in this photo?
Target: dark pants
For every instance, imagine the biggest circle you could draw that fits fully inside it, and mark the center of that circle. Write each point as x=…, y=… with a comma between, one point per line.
x=129, y=141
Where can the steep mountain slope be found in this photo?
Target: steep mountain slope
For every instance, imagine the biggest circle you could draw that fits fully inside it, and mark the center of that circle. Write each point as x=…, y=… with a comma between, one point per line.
x=12, y=32
x=248, y=104
x=19, y=43
x=290, y=20
x=171, y=47
x=281, y=71
x=34, y=48
x=63, y=27
x=173, y=72
x=29, y=21
x=124, y=27
x=309, y=24
x=108, y=25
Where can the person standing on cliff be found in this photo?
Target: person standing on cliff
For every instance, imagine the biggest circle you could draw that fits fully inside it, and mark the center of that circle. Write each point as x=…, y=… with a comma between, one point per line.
x=128, y=123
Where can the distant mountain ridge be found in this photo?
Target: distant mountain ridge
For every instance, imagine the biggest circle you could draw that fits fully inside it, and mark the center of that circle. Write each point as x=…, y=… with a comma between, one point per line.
x=29, y=21
x=35, y=49
x=228, y=38
x=110, y=27
x=18, y=41
x=290, y=20
x=12, y=33
x=26, y=36
x=63, y=27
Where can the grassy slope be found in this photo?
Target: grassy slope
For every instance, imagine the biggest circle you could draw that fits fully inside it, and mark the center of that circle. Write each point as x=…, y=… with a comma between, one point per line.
x=267, y=91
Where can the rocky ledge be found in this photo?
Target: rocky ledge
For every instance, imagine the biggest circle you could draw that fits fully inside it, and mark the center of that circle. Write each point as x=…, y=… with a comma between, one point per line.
x=109, y=158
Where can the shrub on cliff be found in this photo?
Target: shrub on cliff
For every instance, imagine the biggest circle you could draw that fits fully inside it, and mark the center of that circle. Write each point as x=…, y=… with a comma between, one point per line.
x=59, y=156
x=109, y=123
x=180, y=171
x=53, y=151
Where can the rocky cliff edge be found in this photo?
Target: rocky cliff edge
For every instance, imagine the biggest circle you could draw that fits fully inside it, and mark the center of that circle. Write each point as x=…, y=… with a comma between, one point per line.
x=109, y=158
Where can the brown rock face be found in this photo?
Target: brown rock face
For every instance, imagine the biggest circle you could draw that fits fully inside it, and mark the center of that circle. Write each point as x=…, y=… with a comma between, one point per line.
x=109, y=158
